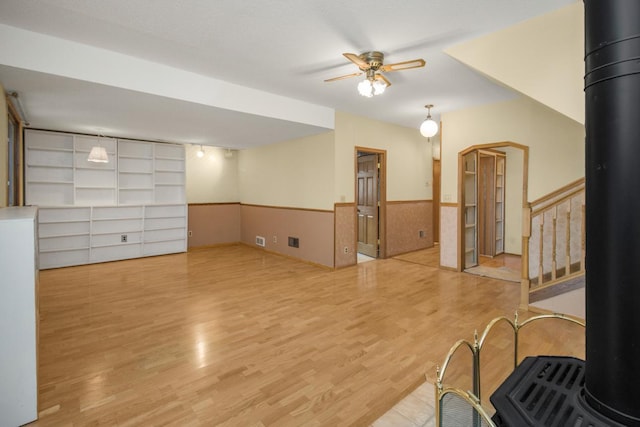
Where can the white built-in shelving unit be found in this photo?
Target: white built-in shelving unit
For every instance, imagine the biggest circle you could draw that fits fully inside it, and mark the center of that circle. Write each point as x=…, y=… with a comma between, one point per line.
x=132, y=206
x=95, y=183
x=135, y=173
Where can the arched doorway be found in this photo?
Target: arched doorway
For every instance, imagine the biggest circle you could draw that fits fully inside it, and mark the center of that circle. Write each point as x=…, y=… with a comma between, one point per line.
x=490, y=207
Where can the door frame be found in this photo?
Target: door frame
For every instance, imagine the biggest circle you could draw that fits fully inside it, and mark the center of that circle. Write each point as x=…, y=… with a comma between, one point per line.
x=437, y=185
x=525, y=191
x=382, y=200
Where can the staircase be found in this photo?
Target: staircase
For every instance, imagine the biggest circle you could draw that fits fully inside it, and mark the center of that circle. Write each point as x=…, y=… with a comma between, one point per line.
x=554, y=250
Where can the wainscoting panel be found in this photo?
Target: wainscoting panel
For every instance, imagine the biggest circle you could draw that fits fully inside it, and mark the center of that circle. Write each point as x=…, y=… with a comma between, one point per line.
x=449, y=235
x=213, y=224
x=312, y=228
x=345, y=232
x=405, y=222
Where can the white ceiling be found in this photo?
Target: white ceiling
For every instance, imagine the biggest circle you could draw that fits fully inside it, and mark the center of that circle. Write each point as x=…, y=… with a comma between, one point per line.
x=284, y=47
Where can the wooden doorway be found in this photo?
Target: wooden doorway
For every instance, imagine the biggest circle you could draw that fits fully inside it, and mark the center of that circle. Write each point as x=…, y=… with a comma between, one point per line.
x=436, y=200
x=491, y=202
x=370, y=202
x=483, y=201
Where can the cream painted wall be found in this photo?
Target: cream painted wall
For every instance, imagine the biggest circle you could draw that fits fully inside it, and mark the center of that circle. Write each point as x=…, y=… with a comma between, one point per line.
x=4, y=148
x=212, y=178
x=409, y=162
x=542, y=58
x=556, y=143
x=556, y=154
x=296, y=174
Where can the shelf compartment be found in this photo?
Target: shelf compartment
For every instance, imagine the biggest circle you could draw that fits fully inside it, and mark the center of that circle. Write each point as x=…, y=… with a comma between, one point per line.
x=49, y=158
x=135, y=180
x=63, y=258
x=81, y=161
x=135, y=196
x=166, y=165
x=164, y=223
x=118, y=252
x=49, y=173
x=116, y=212
x=94, y=178
x=95, y=196
x=64, y=243
x=133, y=149
x=169, y=178
x=161, y=235
x=115, y=239
x=55, y=229
x=83, y=143
x=63, y=214
x=165, y=211
x=168, y=194
x=139, y=165
x=42, y=140
x=121, y=226
x=158, y=248
x=49, y=194
x=169, y=152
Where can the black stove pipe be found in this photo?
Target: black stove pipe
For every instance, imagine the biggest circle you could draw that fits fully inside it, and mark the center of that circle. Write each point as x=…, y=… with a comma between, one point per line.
x=612, y=122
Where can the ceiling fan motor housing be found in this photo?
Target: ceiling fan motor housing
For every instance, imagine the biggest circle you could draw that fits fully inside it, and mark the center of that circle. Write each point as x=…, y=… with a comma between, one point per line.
x=375, y=59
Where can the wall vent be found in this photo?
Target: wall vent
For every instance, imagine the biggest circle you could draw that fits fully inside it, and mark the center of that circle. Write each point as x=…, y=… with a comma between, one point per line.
x=260, y=241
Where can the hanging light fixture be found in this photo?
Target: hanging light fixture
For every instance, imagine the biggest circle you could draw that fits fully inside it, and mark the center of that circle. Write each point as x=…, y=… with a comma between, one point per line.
x=365, y=88
x=429, y=127
x=200, y=152
x=371, y=85
x=98, y=154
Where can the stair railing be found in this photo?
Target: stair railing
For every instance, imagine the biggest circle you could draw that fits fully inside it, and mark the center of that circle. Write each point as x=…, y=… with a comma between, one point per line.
x=554, y=238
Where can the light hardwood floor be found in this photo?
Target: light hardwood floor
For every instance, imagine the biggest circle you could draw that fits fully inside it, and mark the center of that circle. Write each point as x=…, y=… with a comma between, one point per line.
x=236, y=336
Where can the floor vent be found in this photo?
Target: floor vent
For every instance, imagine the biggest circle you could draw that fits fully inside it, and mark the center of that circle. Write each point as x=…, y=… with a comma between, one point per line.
x=260, y=241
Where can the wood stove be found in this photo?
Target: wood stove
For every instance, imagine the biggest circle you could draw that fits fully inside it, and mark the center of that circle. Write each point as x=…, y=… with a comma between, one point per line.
x=604, y=389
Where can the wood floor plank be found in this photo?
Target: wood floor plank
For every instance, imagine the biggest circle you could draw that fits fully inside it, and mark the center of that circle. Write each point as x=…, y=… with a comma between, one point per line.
x=241, y=337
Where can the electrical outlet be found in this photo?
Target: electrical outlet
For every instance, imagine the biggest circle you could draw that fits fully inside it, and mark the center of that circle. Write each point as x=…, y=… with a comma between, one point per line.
x=421, y=234
x=123, y=238
x=275, y=239
x=190, y=233
x=346, y=249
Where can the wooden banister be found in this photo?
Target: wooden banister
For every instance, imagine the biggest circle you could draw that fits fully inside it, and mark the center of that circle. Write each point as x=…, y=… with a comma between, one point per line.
x=575, y=185
x=549, y=222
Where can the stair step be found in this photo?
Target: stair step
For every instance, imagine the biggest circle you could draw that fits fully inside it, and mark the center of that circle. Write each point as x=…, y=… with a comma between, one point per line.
x=557, y=289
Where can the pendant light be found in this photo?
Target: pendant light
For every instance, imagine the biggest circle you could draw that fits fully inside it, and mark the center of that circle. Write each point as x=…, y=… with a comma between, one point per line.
x=429, y=127
x=98, y=154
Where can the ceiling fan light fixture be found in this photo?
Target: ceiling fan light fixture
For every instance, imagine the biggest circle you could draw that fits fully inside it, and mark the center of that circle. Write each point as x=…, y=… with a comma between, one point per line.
x=429, y=127
x=365, y=88
x=378, y=87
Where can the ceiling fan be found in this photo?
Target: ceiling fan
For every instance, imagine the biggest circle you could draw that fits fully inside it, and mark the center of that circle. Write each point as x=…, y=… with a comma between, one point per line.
x=372, y=65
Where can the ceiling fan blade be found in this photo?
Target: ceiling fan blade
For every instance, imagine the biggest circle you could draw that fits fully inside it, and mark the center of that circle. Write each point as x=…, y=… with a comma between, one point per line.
x=384, y=79
x=361, y=63
x=406, y=65
x=343, y=77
